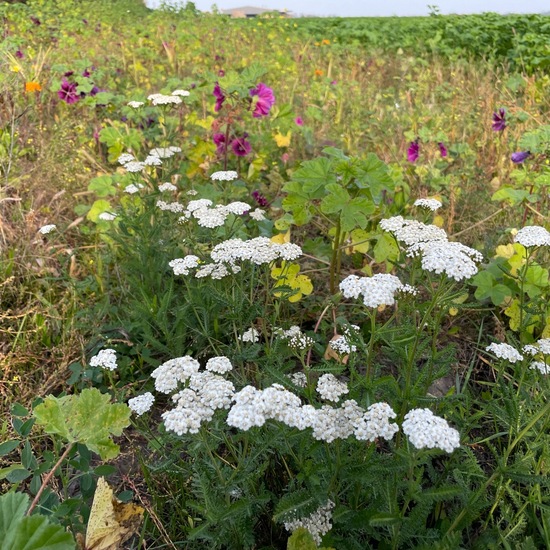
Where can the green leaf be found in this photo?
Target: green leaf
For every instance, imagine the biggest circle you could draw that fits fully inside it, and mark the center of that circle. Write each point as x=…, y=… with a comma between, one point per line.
x=18, y=410
x=374, y=174
x=102, y=186
x=313, y=176
x=353, y=212
x=12, y=510
x=37, y=533
x=384, y=519
x=511, y=195
x=98, y=208
x=88, y=418
x=8, y=446
x=17, y=475
x=301, y=539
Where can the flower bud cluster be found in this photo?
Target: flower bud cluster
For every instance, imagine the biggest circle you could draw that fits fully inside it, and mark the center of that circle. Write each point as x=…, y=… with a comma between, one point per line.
x=343, y=344
x=294, y=337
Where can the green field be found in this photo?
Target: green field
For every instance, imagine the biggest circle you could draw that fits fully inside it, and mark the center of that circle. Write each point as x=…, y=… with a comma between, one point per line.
x=282, y=283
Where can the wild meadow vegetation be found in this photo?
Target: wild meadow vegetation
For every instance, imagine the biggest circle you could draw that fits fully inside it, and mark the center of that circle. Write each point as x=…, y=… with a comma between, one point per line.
x=277, y=283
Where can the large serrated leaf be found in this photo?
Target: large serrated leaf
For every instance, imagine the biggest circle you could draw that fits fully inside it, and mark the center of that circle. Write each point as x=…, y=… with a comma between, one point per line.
x=37, y=533
x=12, y=509
x=88, y=418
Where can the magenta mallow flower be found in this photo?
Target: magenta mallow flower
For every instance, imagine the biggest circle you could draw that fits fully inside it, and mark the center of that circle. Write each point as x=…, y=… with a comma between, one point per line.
x=220, y=97
x=219, y=140
x=68, y=92
x=259, y=198
x=241, y=147
x=265, y=101
x=499, y=120
x=520, y=156
x=19, y=54
x=442, y=149
x=413, y=152
x=299, y=121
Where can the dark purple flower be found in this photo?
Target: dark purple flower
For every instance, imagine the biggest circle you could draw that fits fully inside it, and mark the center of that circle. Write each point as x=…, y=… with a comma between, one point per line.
x=19, y=54
x=266, y=99
x=124, y=118
x=299, y=121
x=220, y=97
x=520, y=156
x=85, y=21
x=333, y=82
x=259, y=198
x=413, y=152
x=35, y=20
x=219, y=140
x=442, y=149
x=86, y=73
x=241, y=147
x=499, y=120
x=68, y=74
x=221, y=72
x=95, y=90
x=68, y=92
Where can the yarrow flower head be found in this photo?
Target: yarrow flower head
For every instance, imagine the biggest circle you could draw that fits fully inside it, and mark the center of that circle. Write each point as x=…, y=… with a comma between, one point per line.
x=107, y=216
x=542, y=346
x=543, y=368
x=505, y=351
x=430, y=204
x=412, y=232
x=142, y=403
x=105, y=359
x=532, y=235
x=45, y=229
x=376, y=423
x=224, y=175
x=318, y=523
x=181, y=93
x=250, y=335
x=170, y=373
x=294, y=337
x=163, y=187
x=161, y=99
x=377, y=290
x=181, y=266
x=219, y=364
x=135, y=104
x=330, y=388
x=425, y=430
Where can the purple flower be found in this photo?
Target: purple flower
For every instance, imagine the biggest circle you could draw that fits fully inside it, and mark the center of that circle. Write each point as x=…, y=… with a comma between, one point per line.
x=95, y=90
x=220, y=97
x=86, y=73
x=85, y=21
x=442, y=149
x=241, y=147
x=266, y=99
x=259, y=198
x=19, y=54
x=68, y=92
x=35, y=20
x=219, y=140
x=413, y=152
x=499, y=120
x=221, y=72
x=299, y=121
x=520, y=156
x=68, y=74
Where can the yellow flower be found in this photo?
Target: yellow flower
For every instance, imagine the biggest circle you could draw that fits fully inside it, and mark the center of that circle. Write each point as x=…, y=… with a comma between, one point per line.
x=32, y=86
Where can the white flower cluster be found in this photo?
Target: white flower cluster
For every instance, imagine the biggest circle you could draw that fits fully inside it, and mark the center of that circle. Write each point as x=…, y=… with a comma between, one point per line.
x=533, y=235
x=250, y=335
x=425, y=430
x=161, y=99
x=260, y=250
x=343, y=344
x=45, y=229
x=142, y=403
x=543, y=368
x=505, y=351
x=181, y=266
x=430, y=204
x=411, y=231
x=376, y=423
x=295, y=337
x=181, y=93
x=224, y=175
x=219, y=364
x=541, y=346
x=105, y=359
x=318, y=523
x=164, y=152
x=330, y=388
x=133, y=188
x=107, y=216
x=174, y=207
x=135, y=104
x=454, y=259
x=169, y=374
x=377, y=290
x=163, y=187
x=298, y=379
x=257, y=214
x=134, y=166
x=152, y=160
x=125, y=158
